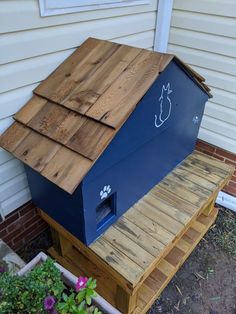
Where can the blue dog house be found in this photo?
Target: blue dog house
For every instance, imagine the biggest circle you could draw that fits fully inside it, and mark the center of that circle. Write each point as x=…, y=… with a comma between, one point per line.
x=105, y=127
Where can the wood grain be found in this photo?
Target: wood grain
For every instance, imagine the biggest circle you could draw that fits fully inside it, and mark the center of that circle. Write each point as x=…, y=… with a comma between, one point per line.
x=36, y=150
x=120, y=99
x=30, y=109
x=91, y=139
x=93, y=86
x=13, y=136
x=66, y=169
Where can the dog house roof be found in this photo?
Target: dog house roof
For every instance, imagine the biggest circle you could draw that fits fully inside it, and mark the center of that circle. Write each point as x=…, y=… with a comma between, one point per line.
x=76, y=112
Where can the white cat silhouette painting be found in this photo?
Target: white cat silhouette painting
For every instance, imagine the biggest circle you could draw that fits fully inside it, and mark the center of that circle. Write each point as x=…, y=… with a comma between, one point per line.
x=165, y=106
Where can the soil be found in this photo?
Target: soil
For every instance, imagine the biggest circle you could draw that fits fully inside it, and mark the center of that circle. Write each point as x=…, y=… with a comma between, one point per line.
x=206, y=283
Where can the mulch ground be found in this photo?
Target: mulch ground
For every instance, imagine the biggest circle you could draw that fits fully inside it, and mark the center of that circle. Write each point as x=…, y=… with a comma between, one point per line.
x=206, y=283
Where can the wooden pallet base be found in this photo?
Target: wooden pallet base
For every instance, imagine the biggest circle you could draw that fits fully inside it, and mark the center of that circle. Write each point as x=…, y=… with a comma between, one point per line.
x=164, y=271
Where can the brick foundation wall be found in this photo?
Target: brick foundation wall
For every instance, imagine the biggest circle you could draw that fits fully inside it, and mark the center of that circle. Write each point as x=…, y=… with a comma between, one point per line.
x=21, y=226
x=225, y=156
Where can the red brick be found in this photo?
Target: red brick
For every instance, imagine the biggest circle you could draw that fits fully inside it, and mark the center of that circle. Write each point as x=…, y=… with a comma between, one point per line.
x=233, y=179
x=18, y=245
x=205, y=146
x=230, y=190
x=3, y=233
x=227, y=161
x=226, y=154
x=11, y=218
x=36, y=232
x=218, y=157
x=232, y=184
x=26, y=208
x=34, y=220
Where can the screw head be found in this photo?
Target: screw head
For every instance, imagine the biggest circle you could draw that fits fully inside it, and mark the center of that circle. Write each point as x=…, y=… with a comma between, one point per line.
x=196, y=119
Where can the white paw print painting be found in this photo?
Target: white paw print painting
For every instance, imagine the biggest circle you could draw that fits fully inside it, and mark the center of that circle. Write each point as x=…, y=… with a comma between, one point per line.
x=105, y=191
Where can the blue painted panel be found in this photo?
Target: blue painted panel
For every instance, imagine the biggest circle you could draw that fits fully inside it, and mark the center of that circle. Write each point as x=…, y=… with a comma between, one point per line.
x=187, y=100
x=64, y=208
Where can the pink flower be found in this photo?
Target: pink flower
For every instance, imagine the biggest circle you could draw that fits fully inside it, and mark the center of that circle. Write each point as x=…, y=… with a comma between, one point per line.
x=49, y=303
x=81, y=283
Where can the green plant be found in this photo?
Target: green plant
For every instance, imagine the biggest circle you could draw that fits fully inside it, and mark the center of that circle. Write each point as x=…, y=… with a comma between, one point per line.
x=25, y=294
x=42, y=291
x=79, y=303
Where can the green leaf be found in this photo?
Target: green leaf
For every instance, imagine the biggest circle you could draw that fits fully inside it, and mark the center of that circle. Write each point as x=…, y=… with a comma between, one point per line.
x=88, y=299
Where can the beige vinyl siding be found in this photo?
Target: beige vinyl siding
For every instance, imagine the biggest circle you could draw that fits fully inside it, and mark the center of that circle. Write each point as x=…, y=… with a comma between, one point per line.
x=31, y=47
x=203, y=33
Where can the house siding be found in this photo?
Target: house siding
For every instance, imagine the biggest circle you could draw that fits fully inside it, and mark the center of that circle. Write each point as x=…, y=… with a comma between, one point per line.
x=203, y=34
x=32, y=47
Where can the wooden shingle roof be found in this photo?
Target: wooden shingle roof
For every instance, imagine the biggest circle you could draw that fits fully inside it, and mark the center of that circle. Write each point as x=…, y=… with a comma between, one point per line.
x=76, y=112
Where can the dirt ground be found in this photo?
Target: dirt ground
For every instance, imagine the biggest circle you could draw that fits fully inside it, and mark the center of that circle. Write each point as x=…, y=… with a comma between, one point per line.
x=206, y=283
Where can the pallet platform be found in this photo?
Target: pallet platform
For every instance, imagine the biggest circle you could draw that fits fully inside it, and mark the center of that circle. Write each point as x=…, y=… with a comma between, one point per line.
x=135, y=258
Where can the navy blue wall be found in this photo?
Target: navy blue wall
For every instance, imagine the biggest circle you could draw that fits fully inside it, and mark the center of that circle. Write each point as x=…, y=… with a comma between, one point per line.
x=61, y=206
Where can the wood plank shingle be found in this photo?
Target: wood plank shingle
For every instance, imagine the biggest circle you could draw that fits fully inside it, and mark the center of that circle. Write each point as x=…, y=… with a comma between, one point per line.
x=76, y=112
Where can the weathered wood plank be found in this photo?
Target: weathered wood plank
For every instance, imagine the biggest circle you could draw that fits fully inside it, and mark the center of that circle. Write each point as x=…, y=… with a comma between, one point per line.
x=92, y=87
x=179, y=215
x=13, y=136
x=202, y=172
x=62, y=75
x=212, y=161
x=149, y=226
x=116, y=104
x=36, y=150
x=128, y=247
x=56, y=122
x=148, y=209
x=183, y=192
x=143, y=239
x=207, y=166
x=91, y=139
x=203, y=182
x=173, y=199
x=66, y=169
x=30, y=109
x=177, y=179
x=123, y=265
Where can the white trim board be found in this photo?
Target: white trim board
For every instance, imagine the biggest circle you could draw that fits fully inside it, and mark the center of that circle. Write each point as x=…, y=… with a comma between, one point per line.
x=226, y=200
x=56, y=7
x=164, y=14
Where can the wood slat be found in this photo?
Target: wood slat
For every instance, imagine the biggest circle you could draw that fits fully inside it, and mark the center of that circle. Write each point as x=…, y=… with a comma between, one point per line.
x=176, y=179
x=91, y=139
x=56, y=122
x=202, y=172
x=143, y=239
x=119, y=261
x=203, y=182
x=92, y=87
x=82, y=135
x=13, y=136
x=128, y=247
x=63, y=80
x=30, y=109
x=173, y=199
x=225, y=168
x=183, y=192
x=66, y=169
x=151, y=227
x=207, y=166
x=36, y=151
x=116, y=104
x=149, y=210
